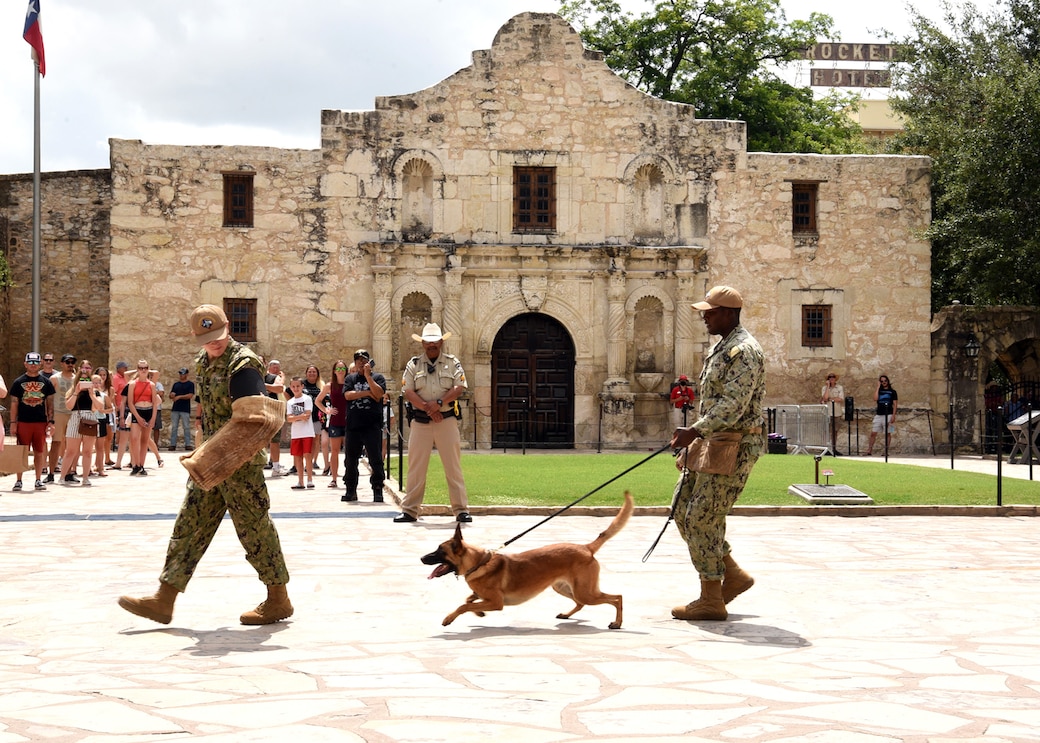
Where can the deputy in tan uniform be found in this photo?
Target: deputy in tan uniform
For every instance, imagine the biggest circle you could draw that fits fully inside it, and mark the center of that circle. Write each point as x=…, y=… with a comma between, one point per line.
x=432, y=382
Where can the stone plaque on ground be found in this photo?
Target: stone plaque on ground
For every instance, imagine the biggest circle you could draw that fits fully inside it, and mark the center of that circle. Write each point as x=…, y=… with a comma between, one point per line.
x=831, y=495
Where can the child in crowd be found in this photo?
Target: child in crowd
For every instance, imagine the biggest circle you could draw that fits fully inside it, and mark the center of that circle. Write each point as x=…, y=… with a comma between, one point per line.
x=298, y=413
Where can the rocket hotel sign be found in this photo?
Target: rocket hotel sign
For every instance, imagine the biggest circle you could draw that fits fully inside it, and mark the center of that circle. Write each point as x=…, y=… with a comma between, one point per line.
x=833, y=51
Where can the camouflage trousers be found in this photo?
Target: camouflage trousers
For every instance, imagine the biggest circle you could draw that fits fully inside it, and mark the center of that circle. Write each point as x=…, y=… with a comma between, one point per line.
x=244, y=496
x=703, y=503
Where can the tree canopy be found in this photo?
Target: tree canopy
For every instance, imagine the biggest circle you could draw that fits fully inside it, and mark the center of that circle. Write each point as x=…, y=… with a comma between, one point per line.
x=968, y=88
x=723, y=58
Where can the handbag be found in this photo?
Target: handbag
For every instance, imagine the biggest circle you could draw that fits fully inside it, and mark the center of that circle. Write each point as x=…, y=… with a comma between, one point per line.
x=87, y=427
x=715, y=455
x=14, y=458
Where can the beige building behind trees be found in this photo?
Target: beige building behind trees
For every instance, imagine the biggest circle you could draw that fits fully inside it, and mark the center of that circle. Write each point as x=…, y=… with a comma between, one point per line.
x=555, y=219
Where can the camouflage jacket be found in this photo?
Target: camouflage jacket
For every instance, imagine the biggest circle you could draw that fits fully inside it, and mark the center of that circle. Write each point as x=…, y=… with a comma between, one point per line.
x=732, y=384
x=213, y=384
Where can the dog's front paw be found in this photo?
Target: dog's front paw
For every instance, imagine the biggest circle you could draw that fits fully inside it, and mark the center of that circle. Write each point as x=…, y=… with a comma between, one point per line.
x=614, y=625
x=447, y=620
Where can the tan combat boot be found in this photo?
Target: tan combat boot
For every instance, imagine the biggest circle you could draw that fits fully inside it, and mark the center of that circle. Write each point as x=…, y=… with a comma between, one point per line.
x=158, y=608
x=709, y=606
x=736, y=581
x=274, y=609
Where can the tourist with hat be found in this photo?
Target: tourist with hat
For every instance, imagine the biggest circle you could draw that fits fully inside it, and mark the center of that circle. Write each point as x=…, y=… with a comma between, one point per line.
x=32, y=415
x=682, y=397
x=432, y=384
x=182, y=392
x=226, y=475
x=833, y=396
x=728, y=432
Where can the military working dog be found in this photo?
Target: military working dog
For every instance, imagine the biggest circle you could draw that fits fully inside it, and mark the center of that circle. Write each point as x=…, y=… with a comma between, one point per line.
x=499, y=580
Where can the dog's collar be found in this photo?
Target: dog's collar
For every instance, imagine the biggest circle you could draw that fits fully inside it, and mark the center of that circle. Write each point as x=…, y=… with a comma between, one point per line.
x=483, y=561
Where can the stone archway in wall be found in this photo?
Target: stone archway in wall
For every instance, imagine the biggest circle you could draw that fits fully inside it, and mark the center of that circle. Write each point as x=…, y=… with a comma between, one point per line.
x=532, y=384
x=1009, y=339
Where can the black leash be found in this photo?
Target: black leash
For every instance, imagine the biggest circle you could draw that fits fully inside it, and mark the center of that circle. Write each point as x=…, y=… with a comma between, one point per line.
x=552, y=516
x=671, y=514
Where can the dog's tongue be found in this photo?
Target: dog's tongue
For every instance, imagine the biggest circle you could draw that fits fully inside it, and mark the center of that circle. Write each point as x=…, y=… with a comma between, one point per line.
x=439, y=571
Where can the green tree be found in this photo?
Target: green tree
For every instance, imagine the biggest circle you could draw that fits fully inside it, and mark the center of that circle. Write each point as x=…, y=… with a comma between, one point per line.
x=723, y=57
x=968, y=88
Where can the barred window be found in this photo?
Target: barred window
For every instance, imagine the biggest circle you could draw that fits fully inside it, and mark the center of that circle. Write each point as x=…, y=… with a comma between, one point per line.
x=803, y=207
x=238, y=199
x=816, y=325
x=241, y=314
x=534, y=199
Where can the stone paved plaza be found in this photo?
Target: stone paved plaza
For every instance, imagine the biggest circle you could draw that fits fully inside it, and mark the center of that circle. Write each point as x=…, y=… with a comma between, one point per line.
x=858, y=630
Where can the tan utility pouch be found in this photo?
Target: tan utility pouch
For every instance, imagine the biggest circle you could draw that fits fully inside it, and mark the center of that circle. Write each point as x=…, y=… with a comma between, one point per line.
x=715, y=455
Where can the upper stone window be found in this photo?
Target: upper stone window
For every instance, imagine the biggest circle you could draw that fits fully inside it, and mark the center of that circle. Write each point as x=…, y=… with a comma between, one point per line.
x=803, y=207
x=534, y=199
x=238, y=199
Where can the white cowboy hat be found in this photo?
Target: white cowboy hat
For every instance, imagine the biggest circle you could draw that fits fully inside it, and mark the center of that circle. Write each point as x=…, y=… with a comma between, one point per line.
x=431, y=333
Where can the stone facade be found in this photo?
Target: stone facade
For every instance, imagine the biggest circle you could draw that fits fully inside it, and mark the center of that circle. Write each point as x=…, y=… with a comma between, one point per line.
x=74, y=273
x=407, y=214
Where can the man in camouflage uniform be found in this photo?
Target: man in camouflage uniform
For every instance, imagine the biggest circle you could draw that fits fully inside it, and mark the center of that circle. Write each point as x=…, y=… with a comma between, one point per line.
x=731, y=387
x=227, y=475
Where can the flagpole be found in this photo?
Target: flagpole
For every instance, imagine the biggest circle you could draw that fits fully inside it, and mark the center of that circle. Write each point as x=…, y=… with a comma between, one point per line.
x=36, y=252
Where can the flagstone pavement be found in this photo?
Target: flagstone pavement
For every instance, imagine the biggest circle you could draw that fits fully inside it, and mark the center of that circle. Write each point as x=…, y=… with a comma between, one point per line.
x=858, y=630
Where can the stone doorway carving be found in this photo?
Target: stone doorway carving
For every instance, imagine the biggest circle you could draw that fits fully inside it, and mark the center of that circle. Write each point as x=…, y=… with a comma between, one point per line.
x=532, y=384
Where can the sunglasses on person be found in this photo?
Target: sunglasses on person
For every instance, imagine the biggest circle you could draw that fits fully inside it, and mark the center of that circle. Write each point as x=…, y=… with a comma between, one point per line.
x=341, y=368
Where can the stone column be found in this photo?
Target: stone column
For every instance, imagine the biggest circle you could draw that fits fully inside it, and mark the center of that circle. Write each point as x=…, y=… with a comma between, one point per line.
x=452, y=321
x=687, y=290
x=616, y=341
x=382, y=316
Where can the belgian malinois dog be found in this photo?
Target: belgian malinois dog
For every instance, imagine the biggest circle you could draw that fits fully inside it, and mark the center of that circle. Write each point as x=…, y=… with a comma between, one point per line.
x=498, y=579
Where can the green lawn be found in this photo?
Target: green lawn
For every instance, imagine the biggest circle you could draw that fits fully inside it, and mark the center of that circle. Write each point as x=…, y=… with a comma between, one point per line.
x=556, y=479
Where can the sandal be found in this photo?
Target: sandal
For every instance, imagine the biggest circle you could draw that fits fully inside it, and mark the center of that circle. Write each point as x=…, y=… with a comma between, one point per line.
x=297, y=487
x=333, y=483
x=160, y=462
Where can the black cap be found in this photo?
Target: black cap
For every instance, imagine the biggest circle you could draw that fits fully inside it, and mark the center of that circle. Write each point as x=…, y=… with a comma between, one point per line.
x=362, y=352
x=68, y=357
x=183, y=370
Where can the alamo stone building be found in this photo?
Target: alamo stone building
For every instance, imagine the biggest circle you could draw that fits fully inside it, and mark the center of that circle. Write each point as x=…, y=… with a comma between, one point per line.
x=554, y=219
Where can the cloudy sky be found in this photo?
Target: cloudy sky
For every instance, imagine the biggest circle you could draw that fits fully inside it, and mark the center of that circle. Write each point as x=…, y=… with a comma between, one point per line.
x=260, y=71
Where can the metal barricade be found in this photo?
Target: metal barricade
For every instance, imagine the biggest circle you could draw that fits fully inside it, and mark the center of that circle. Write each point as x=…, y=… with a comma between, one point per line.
x=806, y=427
x=814, y=432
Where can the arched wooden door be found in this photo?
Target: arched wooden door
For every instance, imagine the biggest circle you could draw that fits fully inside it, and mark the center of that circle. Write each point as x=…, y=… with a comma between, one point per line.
x=532, y=383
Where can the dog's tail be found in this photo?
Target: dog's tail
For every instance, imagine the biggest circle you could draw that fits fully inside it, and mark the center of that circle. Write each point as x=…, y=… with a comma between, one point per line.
x=615, y=526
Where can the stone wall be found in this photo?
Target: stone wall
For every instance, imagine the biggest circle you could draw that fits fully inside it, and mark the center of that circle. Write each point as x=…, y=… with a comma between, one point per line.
x=75, y=249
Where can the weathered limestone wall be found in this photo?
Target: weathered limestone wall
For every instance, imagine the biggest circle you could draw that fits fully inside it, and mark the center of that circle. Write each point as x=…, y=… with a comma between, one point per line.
x=173, y=253
x=74, y=272
x=868, y=261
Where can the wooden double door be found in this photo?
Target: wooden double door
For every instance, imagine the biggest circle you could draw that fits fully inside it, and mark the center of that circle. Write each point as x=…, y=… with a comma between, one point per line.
x=532, y=382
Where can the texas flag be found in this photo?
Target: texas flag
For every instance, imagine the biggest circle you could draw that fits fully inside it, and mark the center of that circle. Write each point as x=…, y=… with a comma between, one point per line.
x=34, y=35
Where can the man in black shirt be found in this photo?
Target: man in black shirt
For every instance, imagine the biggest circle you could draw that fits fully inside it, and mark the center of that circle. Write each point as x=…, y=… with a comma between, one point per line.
x=363, y=391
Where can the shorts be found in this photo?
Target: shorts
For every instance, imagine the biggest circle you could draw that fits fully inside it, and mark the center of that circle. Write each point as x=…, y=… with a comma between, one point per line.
x=337, y=432
x=145, y=413
x=317, y=428
x=72, y=430
x=301, y=447
x=34, y=434
x=61, y=422
x=878, y=425
x=102, y=427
